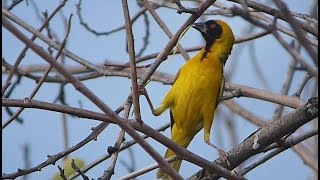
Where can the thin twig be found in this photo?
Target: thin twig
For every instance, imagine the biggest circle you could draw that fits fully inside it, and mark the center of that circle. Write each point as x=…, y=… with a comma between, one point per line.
x=146, y=37
x=274, y=12
x=302, y=85
x=105, y=33
x=62, y=175
x=85, y=91
x=165, y=28
x=236, y=108
x=133, y=69
x=76, y=169
x=147, y=169
x=23, y=52
x=251, y=92
x=26, y=158
x=313, y=71
x=13, y=4
x=179, y=151
x=52, y=43
x=123, y=146
x=257, y=67
x=287, y=82
x=40, y=82
x=116, y=148
x=163, y=55
x=8, y=94
x=296, y=25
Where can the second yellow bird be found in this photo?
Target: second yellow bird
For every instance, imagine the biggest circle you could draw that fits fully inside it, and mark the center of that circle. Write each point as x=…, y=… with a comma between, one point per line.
x=195, y=94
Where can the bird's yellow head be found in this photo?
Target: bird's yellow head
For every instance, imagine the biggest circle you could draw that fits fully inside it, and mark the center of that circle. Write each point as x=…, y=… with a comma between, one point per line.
x=217, y=32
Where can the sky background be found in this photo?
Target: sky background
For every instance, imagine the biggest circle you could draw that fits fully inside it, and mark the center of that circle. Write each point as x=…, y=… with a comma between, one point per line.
x=42, y=130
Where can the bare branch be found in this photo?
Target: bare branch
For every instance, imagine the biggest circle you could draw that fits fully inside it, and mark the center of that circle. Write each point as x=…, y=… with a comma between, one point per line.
x=85, y=91
x=179, y=150
x=40, y=82
x=52, y=43
x=266, y=135
x=300, y=35
x=133, y=69
x=302, y=85
x=123, y=146
x=284, y=146
x=147, y=169
x=165, y=28
x=22, y=54
x=76, y=169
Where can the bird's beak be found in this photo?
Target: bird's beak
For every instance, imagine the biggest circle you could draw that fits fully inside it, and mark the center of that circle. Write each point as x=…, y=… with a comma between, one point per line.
x=200, y=26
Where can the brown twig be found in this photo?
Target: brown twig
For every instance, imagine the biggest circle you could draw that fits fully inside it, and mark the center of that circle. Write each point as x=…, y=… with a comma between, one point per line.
x=287, y=82
x=165, y=28
x=238, y=11
x=179, y=151
x=23, y=52
x=274, y=12
x=62, y=175
x=133, y=69
x=40, y=82
x=76, y=169
x=302, y=85
x=105, y=33
x=236, y=108
x=251, y=92
x=313, y=71
x=266, y=135
x=296, y=25
x=116, y=148
x=52, y=43
x=85, y=91
x=146, y=169
x=123, y=146
x=163, y=55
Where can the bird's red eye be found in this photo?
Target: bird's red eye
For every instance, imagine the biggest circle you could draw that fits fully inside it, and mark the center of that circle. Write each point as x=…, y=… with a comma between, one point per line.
x=212, y=26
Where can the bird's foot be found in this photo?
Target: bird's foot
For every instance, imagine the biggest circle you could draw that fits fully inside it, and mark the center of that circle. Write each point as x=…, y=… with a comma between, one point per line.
x=222, y=154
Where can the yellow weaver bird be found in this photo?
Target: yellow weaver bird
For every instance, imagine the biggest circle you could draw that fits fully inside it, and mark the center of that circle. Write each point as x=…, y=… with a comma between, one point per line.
x=198, y=86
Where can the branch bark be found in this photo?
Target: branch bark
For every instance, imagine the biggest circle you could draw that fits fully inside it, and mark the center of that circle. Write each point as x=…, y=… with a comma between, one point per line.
x=263, y=137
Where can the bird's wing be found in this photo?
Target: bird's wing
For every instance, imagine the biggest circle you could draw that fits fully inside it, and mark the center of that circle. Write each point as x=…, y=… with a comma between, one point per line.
x=171, y=116
x=171, y=119
x=220, y=93
x=177, y=76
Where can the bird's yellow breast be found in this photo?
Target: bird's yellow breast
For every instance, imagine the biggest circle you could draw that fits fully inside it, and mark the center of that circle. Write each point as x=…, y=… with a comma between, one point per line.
x=195, y=91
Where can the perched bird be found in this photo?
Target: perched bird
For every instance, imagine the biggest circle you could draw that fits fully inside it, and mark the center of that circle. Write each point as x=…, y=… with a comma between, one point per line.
x=198, y=86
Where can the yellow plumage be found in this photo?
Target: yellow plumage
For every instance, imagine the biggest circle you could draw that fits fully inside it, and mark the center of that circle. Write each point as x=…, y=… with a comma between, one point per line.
x=194, y=96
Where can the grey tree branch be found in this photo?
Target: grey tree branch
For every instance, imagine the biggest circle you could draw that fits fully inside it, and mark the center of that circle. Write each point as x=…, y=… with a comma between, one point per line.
x=133, y=69
x=123, y=146
x=23, y=52
x=40, y=82
x=294, y=23
x=179, y=151
x=51, y=43
x=284, y=146
x=268, y=134
x=85, y=91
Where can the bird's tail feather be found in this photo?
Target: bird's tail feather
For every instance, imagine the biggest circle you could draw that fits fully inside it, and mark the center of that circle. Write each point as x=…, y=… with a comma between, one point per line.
x=175, y=164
